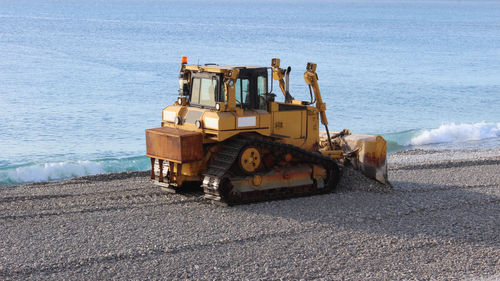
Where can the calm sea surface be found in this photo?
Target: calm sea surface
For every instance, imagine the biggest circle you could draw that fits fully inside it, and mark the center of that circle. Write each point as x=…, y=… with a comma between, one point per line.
x=81, y=80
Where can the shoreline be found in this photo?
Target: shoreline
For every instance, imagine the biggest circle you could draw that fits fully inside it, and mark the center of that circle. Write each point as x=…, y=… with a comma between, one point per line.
x=429, y=156
x=404, y=157
x=439, y=222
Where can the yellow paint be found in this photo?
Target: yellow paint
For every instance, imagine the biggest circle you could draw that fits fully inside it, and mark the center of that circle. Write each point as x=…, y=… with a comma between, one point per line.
x=289, y=123
x=298, y=125
x=250, y=159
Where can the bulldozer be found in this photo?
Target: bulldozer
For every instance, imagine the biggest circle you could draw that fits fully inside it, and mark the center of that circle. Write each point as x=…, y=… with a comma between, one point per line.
x=227, y=134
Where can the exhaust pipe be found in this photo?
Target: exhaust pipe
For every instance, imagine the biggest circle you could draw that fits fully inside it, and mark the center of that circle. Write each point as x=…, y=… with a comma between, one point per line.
x=288, y=97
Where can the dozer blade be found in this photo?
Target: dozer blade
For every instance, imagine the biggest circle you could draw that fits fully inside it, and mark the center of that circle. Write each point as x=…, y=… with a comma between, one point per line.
x=368, y=155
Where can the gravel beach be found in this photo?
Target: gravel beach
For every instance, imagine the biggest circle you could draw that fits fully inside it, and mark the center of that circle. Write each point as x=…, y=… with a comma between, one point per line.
x=440, y=221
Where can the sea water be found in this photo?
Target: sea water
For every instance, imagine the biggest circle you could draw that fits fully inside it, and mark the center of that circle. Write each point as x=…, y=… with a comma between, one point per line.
x=81, y=80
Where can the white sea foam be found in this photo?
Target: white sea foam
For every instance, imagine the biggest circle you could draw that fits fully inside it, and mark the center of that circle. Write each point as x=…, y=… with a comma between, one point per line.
x=37, y=172
x=452, y=132
x=53, y=171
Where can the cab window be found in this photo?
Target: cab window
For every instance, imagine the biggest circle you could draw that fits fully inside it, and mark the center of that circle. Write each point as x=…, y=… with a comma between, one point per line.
x=204, y=91
x=242, y=92
x=195, y=93
x=261, y=92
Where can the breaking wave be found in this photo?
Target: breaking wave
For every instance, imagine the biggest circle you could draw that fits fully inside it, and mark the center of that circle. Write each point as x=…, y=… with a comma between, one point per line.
x=447, y=136
x=37, y=172
x=456, y=133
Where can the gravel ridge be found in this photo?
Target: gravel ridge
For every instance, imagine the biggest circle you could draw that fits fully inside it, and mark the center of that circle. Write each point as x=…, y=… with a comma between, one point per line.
x=439, y=221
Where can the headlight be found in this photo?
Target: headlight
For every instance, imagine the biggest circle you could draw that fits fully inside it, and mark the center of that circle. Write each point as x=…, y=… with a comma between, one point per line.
x=198, y=124
x=177, y=120
x=217, y=106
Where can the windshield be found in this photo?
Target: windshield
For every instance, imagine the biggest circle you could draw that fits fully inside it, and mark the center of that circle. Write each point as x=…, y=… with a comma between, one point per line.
x=204, y=91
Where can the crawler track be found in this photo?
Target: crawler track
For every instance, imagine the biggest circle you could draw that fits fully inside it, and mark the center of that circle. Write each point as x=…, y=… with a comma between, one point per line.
x=217, y=180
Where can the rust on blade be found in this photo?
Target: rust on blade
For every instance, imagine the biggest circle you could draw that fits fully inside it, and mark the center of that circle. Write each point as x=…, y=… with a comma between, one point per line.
x=366, y=153
x=370, y=156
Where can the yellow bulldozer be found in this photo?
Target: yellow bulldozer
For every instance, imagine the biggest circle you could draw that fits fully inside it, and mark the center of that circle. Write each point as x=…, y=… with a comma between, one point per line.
x=227, y=134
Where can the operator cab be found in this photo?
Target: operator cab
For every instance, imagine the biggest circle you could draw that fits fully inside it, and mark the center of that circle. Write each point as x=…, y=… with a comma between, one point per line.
x=207, y=88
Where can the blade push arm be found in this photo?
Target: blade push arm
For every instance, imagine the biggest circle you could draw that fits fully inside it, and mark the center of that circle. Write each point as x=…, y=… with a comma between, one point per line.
x=311, y=78
x=281, y=75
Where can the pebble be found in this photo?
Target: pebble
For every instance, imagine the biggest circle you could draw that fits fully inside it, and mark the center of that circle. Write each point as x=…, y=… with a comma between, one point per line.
x=439, y=221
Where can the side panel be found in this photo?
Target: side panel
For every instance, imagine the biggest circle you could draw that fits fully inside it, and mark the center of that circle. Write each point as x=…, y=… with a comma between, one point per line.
x=289, y=123
x=312, y=130
x=219, y=120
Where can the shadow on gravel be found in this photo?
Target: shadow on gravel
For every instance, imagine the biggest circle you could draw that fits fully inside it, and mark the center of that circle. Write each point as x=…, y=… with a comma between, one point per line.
x=9, y=199
x=99, y=209
x=447, y=164
x=112, y=177
x=411, y=210
x=87, y=179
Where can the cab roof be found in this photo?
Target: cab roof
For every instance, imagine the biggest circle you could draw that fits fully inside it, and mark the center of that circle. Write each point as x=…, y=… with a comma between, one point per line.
x=221, y=68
